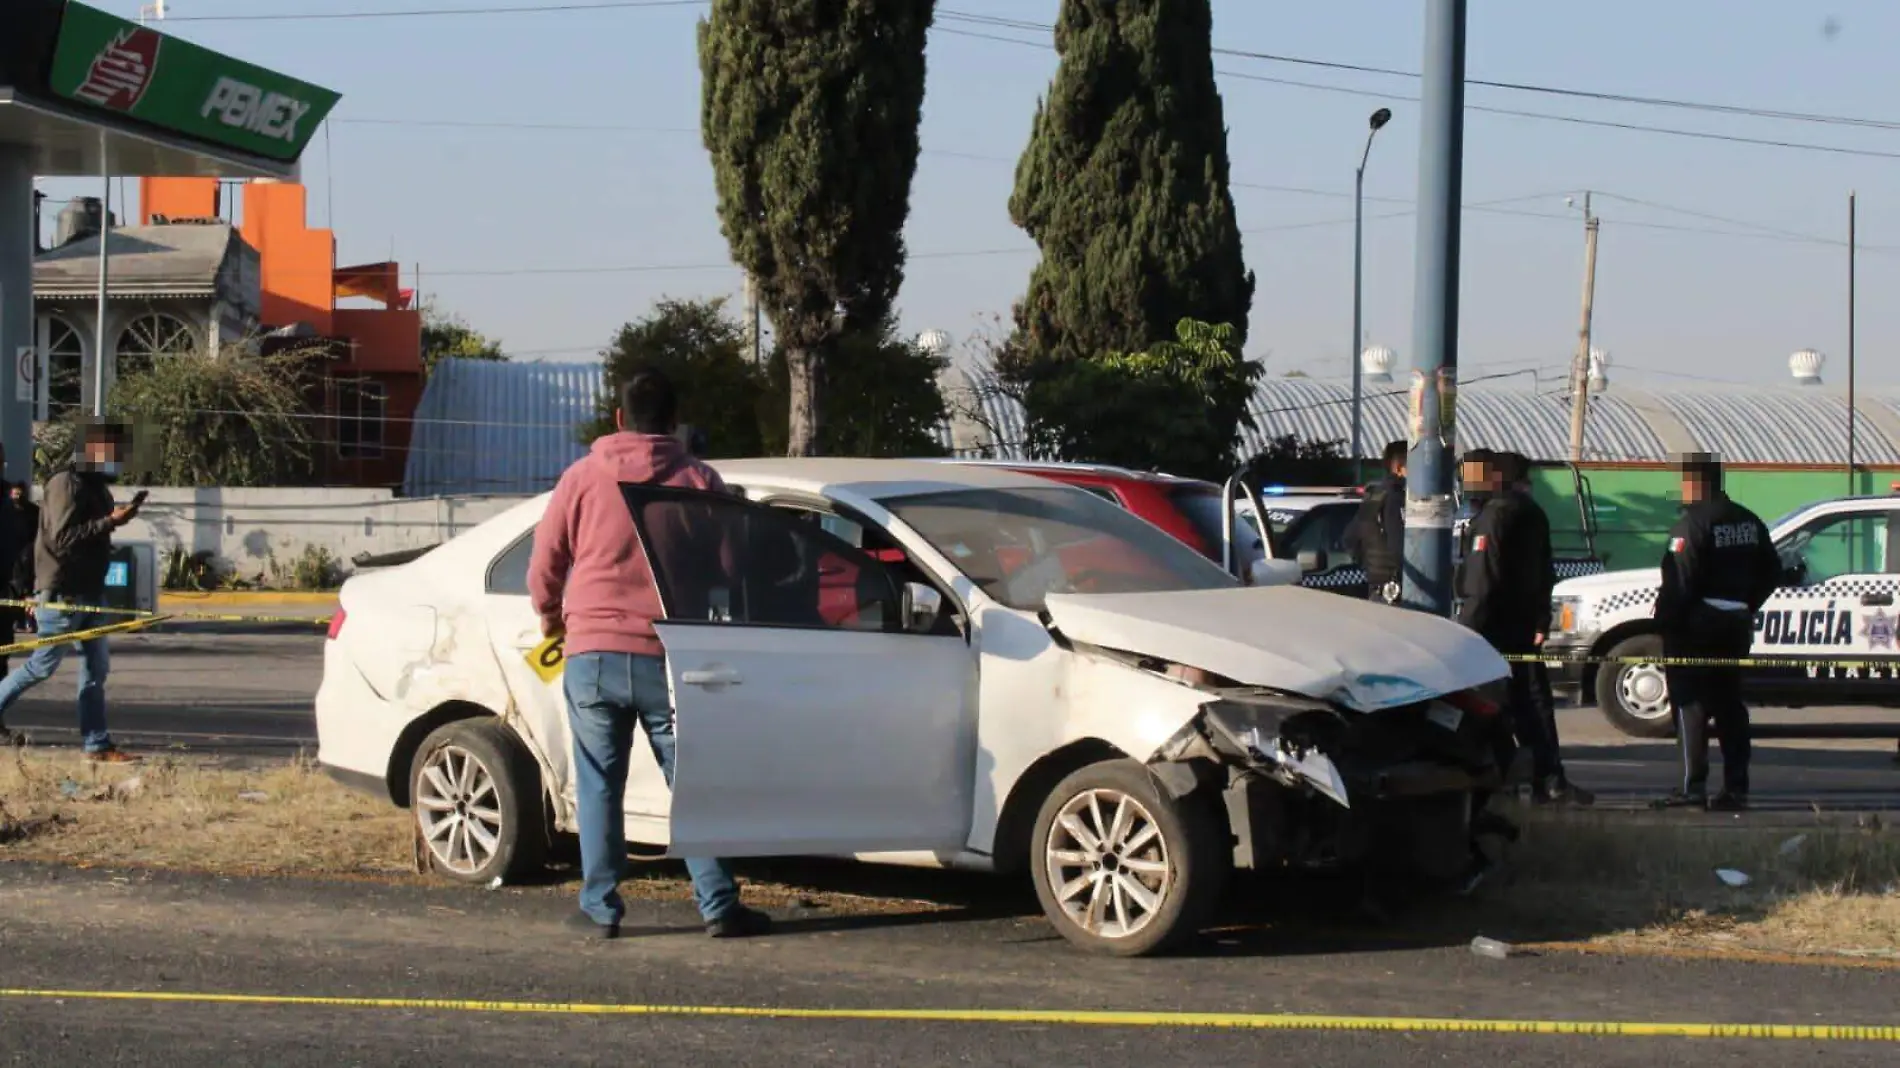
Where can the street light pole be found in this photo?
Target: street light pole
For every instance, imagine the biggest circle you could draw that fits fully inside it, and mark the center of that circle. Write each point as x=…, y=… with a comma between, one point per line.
x=1432, y=429
x=1378, y=120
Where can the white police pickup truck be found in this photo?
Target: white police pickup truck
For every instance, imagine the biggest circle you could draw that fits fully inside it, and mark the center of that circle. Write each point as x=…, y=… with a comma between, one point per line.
x=1842, y=572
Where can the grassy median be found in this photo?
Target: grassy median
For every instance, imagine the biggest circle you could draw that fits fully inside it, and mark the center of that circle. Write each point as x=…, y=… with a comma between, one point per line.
x=1614, y=879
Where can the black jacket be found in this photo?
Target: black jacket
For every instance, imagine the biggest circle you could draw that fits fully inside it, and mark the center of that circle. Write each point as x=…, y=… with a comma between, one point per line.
x=1505, y=578
x=75, y=540
x=1719, y=550
x=1376, y=537
x=26, y=529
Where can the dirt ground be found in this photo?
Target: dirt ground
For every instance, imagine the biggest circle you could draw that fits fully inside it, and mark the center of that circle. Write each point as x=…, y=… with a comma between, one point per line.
x=1610, y=880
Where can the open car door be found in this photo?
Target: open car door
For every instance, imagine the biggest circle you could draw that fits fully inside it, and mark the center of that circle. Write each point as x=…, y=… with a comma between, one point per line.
x=804, y=724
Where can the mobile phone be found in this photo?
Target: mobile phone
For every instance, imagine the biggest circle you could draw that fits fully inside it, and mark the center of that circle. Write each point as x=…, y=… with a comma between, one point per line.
x=139, y=497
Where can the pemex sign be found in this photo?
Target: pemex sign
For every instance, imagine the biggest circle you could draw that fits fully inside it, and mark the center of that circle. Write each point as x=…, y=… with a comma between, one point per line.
x=106, y=63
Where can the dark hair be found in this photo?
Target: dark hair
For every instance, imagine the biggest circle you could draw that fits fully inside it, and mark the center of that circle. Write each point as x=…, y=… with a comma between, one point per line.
x=1702, y=467
x=648, y=404
x=1515, y=466
x=1480, y=456
x=1395, y=453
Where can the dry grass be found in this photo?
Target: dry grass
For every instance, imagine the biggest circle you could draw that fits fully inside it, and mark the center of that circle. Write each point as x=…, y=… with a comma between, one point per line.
x=1621, y=880
x=174, y=812
x=1617, y=881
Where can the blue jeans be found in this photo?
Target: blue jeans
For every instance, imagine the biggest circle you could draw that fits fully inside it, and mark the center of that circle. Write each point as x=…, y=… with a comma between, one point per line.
x=607, y=693
x=95, y=661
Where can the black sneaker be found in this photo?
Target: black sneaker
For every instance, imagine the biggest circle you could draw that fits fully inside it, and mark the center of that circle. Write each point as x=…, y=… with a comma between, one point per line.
x=739, y=922
x=592, y=928
x=1729, y=802
x=1558, y=790
x=1681, y=799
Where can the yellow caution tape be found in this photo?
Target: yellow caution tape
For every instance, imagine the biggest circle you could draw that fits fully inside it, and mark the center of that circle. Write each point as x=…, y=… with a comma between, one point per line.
x=1256, y=1021
x=548, y=658
x=1710, y=661
x=71, y=637
x=202, y=617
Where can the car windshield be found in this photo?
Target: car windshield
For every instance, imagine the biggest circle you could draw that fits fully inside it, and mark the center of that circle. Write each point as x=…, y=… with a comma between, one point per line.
x=1020, y=545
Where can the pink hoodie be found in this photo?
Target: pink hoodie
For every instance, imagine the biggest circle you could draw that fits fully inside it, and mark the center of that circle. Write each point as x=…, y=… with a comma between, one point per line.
x=588, y=574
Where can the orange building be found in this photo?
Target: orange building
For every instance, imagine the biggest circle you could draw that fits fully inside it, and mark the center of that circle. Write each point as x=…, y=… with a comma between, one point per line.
x=375, y=378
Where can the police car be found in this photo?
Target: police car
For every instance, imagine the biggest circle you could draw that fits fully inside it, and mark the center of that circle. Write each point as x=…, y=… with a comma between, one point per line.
x=1841, y=574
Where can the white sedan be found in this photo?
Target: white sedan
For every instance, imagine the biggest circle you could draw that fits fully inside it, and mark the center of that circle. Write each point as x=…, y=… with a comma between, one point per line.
x=916, y=663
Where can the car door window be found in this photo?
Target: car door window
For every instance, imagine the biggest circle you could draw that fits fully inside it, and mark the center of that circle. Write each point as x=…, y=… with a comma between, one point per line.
x=719, y=559
x=508, y=574
x=1839, y=545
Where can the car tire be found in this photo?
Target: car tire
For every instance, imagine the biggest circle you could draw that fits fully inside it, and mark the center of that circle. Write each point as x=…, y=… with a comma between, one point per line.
x=1635, y=697
x=1179, y=864
x=475, y=796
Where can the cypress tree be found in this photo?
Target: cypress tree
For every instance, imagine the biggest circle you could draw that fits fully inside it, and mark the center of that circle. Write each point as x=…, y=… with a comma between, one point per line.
x=810, y=109
x=1124, y=186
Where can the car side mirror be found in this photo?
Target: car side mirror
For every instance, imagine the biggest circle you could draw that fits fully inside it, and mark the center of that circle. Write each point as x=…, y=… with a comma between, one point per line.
x=922, y=605
x=1312, y=560
x=1794, y=574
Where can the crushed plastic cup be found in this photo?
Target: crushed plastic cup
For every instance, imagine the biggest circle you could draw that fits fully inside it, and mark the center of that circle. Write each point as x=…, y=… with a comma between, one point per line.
x=1490, y=948
x=1733, y=879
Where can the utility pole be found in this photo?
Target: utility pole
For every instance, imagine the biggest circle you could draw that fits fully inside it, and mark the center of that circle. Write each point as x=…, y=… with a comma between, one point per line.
x=1580, y=365
x=1428, y=500
x=99, y=321
x=1852, y=247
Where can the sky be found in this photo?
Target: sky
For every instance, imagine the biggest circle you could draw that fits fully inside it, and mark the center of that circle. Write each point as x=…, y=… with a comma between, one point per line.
x=543, y=173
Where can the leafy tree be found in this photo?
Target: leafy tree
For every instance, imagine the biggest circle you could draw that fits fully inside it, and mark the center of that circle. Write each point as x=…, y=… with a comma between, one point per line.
x=1125, y=188
x=809, y=110
x=885, y=400
x=1292, y=461
x=446, y=335
x=702, y=349
x=1178, y=406
x=239, y=419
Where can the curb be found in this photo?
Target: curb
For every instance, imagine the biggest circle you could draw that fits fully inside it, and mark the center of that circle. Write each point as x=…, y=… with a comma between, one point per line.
x=244, y=598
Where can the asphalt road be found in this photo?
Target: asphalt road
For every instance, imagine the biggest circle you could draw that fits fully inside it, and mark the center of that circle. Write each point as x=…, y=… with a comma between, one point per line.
x=71, y=936
x=249, y=693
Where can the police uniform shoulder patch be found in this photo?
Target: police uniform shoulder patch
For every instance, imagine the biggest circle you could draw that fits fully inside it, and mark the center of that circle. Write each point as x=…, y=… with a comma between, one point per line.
x=1478, y=543
x=1676, y=545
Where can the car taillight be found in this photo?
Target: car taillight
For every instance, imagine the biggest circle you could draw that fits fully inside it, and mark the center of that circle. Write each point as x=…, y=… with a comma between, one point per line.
x=1472, y=702
x=336, y=623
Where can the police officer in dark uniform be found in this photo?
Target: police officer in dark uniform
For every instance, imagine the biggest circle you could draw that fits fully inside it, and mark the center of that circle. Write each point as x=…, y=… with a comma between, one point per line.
x=1376, y=537
x=1717, y=571
x=1504, y=584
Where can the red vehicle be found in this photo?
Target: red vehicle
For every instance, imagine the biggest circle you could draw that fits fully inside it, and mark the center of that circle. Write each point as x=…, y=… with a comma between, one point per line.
x=1187, y=508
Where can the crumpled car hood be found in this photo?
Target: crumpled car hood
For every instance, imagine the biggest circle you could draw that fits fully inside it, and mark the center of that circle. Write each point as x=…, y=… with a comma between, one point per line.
x=1362, y=655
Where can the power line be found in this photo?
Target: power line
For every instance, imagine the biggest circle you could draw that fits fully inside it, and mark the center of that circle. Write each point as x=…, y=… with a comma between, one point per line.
x=1542, y=116
x=433, y=12
x=1521, y=87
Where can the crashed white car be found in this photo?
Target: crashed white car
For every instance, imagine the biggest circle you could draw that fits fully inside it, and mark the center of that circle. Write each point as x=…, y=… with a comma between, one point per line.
x=921, y=664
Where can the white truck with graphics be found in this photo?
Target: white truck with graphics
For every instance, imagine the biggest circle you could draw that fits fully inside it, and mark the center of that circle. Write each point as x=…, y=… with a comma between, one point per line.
x=1834, y=617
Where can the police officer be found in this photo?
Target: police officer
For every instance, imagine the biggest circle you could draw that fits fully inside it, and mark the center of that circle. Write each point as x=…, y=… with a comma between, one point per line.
x=1718, y=569
x=1376, y=537
x=1539, y=699
x=1504, y=586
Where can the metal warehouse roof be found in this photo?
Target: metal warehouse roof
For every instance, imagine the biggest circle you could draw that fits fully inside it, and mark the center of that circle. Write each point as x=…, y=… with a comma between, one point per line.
x=1788, y=424
x=485, y=427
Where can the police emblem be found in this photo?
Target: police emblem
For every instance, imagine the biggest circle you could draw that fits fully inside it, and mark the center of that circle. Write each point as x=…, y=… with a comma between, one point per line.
x=1878, y=630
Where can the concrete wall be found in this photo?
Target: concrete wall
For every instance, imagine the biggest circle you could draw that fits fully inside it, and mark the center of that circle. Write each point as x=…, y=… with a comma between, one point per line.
x=246, y=528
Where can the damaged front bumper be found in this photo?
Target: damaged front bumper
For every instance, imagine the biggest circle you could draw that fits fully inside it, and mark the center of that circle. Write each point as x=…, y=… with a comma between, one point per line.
x=1305, y=783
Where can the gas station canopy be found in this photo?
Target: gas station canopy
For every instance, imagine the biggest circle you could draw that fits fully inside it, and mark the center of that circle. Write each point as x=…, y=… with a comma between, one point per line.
x=87, y=93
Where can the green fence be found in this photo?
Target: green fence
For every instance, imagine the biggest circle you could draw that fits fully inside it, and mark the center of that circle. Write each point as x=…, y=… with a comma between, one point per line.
x=1636, y=506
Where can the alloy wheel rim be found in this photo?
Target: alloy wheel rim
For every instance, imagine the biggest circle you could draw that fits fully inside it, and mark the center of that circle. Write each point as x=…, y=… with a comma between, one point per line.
x=459, y=810
x=1107, y=863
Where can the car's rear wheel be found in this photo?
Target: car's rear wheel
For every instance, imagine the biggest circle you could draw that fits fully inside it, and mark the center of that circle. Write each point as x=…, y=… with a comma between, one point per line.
x=1635, y=696
x=476, y=798
x=1122, y=869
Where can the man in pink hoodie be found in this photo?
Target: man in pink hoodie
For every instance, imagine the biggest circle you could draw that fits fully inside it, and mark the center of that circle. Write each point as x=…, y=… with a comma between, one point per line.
x=590, y=580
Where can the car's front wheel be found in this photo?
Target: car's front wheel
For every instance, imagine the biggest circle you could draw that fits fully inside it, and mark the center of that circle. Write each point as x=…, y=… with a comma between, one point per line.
x=1121, y=868
x=1634, y=695
x=476, y=797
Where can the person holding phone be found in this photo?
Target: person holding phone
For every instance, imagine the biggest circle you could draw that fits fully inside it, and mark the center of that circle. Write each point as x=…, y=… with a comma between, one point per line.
x=71, y=556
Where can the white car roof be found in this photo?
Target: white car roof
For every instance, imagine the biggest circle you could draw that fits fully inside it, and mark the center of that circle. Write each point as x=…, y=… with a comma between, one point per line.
x=873, y=479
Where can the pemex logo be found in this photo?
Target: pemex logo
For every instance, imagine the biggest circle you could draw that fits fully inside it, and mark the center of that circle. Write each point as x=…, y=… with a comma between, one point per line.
x=122, y=70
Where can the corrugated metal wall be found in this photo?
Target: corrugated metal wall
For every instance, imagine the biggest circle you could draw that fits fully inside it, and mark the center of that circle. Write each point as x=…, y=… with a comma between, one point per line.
x=488, y=427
